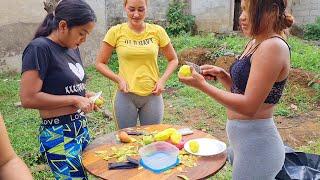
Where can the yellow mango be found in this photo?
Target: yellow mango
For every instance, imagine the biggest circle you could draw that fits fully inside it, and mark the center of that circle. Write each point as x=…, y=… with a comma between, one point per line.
x=175, y=137
x=194, y=146
x=99, y=102
x=162, y=136
x=184, y=71
x=170, y=131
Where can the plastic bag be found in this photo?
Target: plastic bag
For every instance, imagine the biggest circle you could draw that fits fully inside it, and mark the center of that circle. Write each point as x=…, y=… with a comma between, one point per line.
x=301, y=166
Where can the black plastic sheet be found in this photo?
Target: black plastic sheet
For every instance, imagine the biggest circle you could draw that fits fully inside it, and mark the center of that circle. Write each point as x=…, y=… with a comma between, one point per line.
x=300, y=166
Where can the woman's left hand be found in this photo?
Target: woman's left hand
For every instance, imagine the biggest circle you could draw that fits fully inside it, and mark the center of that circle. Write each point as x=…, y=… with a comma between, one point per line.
x=196, y=80
x=159, y=88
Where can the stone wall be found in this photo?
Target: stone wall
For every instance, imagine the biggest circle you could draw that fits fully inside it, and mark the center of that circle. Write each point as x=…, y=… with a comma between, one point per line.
x=305, y=11
x=213, y=15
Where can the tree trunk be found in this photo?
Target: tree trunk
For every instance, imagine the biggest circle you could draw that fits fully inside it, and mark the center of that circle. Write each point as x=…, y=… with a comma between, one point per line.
x=50, y=5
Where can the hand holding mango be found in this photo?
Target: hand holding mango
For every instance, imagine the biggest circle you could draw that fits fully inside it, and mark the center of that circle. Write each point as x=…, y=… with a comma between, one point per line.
x=99, y=102
x=184, y=71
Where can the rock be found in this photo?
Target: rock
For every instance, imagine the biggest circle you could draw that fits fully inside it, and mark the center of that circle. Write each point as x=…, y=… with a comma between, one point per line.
x=107, y=114
x=18, y=104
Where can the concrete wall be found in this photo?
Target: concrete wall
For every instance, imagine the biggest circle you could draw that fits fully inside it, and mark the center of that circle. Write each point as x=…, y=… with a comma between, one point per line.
x=213, y=15
x=18, y=21
x=305, y=11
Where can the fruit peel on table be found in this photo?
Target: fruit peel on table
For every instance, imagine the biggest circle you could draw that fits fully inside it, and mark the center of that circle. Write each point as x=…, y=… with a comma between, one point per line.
x=184, y=71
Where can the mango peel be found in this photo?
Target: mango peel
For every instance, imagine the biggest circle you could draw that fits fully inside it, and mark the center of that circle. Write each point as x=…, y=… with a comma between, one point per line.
x=184, y=71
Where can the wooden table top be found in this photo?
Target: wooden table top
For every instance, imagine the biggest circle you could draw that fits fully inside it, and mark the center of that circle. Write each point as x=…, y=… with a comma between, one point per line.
x=206, y=166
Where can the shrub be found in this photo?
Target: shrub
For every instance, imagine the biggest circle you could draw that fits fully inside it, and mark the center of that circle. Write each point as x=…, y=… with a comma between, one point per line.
x=312, y=31
x=179, y=21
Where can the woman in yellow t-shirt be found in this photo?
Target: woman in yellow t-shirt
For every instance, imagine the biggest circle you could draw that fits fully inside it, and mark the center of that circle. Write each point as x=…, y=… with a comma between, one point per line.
x=137, y=44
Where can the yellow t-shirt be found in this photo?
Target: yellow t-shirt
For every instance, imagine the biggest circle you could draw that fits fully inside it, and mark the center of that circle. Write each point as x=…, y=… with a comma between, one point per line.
x=137, y=55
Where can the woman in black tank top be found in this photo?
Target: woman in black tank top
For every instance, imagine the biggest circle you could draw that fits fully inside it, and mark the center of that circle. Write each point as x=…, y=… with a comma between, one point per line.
x=253, y=87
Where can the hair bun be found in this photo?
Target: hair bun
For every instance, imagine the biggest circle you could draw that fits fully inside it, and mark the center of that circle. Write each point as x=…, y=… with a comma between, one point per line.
x=288, y=20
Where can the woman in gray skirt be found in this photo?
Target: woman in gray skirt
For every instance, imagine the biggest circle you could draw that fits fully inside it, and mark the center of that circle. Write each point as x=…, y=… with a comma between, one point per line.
x=253, y=86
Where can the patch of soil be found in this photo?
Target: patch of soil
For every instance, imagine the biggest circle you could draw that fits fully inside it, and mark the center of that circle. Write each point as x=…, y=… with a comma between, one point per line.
x=300, y=130
x=302, y=78
x=225, y=62
x=198, y=56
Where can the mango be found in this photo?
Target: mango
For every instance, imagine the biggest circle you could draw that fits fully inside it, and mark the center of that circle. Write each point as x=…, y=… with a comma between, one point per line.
x=165, y=134
x=99, y=102
x=124, y=137
x=175, y=137
x=184, y=71
x=147, y=140
x=194, y=146
x=162, y=136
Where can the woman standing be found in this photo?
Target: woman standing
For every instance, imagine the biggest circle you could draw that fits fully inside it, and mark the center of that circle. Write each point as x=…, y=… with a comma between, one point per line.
x=139, y=86
x=255, y=84
x=53, y=81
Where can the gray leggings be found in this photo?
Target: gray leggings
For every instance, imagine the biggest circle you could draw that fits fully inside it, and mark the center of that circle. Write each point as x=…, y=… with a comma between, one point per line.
x=128, y=107
x=257, y=149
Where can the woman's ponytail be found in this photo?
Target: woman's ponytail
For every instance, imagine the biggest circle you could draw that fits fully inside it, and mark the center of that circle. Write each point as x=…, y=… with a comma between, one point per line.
x=46, y=27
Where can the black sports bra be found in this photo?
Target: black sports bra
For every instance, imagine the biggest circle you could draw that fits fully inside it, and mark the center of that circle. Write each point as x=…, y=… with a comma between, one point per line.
x=240, y=70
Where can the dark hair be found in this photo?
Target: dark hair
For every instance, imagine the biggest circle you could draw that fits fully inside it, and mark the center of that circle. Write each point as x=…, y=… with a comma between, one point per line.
x=74, y=12
x=259, y=8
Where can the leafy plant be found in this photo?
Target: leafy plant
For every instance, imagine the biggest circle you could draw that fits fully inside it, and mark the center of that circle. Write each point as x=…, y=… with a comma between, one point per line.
x=179, y=21
x=312, y=31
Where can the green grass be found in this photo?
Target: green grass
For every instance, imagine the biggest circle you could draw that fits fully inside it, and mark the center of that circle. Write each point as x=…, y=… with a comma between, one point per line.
x=304, y=55
x=23, y=124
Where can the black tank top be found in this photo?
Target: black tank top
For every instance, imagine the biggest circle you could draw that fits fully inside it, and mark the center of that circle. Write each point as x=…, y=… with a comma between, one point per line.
x=240, y=70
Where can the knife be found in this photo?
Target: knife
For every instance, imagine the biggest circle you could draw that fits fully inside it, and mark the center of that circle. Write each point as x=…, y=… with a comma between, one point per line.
x=196, y=67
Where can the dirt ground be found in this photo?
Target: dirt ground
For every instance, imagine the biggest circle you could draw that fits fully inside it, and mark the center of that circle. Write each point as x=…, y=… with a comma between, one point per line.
x=295, y=131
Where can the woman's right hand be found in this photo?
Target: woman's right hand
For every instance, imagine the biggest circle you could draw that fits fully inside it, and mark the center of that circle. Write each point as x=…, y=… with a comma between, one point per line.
x=210, y=72
x=122, y=85
x=84, y=104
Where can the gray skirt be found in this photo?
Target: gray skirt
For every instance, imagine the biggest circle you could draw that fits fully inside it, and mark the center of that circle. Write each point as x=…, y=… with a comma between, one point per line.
x=257, y=149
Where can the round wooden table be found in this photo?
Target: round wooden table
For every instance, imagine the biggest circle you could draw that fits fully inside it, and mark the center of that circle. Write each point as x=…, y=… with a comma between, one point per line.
x=206, y=166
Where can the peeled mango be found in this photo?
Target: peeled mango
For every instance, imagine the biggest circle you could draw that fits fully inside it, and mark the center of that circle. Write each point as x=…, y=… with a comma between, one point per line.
x=164, y=135
x=175, y=137
x=99, y=102
x=194, y=146
x=184, y=71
